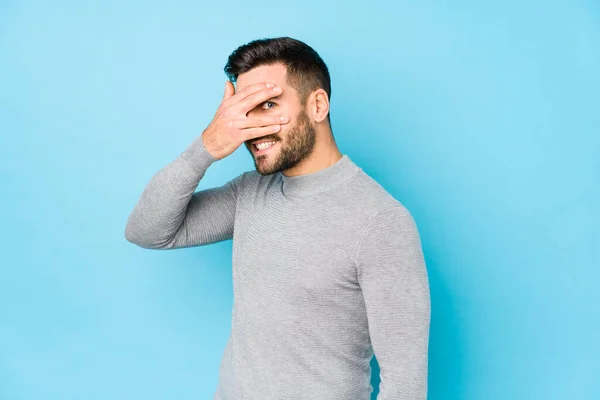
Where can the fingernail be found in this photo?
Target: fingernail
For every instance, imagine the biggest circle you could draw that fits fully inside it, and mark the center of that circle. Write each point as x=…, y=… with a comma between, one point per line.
x=277, y=89
x=283, y=118
x=270, y=85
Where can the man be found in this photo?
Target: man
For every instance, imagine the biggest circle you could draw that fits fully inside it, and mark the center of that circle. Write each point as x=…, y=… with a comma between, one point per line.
x=327, y=266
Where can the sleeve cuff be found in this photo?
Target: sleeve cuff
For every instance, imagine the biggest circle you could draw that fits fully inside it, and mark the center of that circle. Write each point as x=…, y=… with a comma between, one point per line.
x=197, y=155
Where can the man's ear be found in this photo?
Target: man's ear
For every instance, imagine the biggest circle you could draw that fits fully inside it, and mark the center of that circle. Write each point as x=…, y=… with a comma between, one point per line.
x=319, y=107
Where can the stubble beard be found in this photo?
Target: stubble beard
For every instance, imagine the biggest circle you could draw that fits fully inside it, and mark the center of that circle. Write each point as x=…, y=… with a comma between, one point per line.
x=298, y=145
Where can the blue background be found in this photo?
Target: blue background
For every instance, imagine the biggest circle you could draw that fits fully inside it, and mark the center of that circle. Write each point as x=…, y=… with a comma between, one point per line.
x=482, y=118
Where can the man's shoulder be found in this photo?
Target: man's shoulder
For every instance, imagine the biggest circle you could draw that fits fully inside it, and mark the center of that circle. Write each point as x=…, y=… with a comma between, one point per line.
x=371, y=195
x=252, y=182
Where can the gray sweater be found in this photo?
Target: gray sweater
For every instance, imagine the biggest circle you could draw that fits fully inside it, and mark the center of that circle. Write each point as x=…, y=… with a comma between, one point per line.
x=328, y=270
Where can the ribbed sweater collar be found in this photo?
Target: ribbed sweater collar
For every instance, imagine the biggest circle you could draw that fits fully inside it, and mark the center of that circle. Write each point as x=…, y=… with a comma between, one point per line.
x=319, y=181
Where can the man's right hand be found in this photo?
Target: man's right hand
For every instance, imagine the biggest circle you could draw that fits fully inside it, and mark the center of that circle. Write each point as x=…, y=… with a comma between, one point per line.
x=231, y=126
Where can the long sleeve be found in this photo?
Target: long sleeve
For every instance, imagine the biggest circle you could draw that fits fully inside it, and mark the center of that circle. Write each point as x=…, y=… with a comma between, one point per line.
x=170, y=214
x=393, y=278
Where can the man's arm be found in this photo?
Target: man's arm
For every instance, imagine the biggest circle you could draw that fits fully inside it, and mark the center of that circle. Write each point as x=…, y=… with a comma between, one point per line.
x=393, y=278
x=170, y=215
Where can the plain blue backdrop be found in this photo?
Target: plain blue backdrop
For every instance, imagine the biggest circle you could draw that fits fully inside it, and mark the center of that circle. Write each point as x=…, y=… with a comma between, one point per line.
x=483, y=118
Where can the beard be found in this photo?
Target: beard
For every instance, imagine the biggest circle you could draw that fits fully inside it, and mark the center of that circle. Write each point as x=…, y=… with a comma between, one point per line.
x=299, y=143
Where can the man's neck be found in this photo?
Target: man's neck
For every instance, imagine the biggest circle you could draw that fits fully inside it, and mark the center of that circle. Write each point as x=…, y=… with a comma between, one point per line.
x=325, y=154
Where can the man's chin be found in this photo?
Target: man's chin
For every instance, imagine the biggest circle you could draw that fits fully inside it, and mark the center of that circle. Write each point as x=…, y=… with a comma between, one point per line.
x=265, y=165
x=265, y=172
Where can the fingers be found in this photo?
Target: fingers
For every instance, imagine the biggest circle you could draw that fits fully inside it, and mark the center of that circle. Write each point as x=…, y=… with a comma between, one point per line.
x=229, y=90
x=262, y=120
x=254, y=99
x=248, y=90
x=252, y=133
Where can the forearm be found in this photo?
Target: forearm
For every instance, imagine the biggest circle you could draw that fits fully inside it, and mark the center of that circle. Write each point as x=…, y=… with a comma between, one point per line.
x=160, y=211
x=403, y=370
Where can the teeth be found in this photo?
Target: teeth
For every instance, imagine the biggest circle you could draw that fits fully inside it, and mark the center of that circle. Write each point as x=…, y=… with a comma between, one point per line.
x=265, y=145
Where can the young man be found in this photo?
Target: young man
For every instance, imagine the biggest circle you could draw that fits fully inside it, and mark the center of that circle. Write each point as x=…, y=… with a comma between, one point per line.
x=327, y=266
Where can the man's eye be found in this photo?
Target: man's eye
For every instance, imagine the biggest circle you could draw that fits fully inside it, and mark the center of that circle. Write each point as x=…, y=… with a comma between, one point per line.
x=266, y=104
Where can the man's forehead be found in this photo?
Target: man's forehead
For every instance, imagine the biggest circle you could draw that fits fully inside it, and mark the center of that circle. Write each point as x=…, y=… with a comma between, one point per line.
x=274, y=73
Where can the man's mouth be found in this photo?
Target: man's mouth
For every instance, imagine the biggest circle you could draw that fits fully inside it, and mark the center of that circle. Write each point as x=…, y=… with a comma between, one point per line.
x=263, y=146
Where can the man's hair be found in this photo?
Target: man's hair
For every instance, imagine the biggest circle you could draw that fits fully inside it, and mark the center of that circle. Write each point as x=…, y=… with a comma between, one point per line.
x=306, y=71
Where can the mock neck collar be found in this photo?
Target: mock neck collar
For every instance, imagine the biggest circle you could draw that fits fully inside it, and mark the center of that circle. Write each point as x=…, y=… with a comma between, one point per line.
x=319, y=181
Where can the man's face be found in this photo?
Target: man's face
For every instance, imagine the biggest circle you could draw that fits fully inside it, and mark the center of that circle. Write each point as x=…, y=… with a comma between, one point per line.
x=295, y=140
